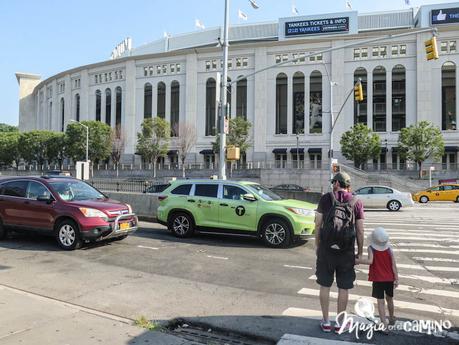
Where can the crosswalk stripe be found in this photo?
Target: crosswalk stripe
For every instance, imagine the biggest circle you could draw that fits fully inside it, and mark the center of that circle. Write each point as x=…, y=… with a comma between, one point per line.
x=408, y=288
x=398, y=304
x=433, y=251
x=302, y=312
x=426, y=245
x=429, y=268
x=417, y=222
x=429, y=279
x=436, y=232
x=416, y=238
x=419, y=258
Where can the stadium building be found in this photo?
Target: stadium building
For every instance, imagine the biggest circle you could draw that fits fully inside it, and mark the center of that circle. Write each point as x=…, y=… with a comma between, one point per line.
x=289, y=105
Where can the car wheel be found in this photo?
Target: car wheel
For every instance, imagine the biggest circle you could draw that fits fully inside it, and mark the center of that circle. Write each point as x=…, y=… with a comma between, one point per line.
x=276, y=233
x=394, y=205
x=423, y=199
x=181, y=224
x=3, y=231
x=68, y=235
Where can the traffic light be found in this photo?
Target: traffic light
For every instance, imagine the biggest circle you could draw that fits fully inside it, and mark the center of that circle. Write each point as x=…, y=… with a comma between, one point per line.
x=431, y=49
x=358, y=92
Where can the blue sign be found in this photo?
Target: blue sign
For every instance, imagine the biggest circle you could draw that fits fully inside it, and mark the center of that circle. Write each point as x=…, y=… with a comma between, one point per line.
x=317, y=26
x=445, y=16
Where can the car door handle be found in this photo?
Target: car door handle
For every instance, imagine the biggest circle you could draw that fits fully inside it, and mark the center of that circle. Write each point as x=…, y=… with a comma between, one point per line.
x=191, y=200
x=223, y=204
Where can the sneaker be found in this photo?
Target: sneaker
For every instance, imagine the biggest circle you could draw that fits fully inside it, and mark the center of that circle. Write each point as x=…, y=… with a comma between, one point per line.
x=342, y=329
x=325, y=326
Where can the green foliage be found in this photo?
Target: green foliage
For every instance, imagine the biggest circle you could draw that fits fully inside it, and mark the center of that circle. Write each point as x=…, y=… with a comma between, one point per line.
x=33, y=146
x=420, y=141
x=9, y=148
x=360, y=144
x=238, y=135
x=99, y=141
x=153, y=139
x=56, y=149
x=5, y=128
x=143, y=322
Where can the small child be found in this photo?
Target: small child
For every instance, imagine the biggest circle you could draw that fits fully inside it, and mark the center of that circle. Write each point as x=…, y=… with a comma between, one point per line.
x=383, y=273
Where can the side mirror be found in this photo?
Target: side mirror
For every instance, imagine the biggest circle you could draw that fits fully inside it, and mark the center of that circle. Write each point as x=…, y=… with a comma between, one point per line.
x=249, y=197
x=47, y=199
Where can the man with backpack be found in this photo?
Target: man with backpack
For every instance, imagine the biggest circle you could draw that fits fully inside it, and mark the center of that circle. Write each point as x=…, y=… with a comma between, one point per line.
x=339, y=221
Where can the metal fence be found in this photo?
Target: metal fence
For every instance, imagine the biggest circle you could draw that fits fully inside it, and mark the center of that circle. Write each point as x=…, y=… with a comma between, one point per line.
x=122, y=186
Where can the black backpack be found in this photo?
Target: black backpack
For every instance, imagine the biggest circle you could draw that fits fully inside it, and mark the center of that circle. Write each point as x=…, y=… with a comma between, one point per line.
x=338, y=229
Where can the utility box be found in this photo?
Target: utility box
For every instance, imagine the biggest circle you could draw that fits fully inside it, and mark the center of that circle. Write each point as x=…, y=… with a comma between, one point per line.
x=82, y=170
x=233, y=153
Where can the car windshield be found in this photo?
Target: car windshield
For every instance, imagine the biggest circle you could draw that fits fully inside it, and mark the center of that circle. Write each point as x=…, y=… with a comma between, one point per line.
x=76, y=190
x=264, y=192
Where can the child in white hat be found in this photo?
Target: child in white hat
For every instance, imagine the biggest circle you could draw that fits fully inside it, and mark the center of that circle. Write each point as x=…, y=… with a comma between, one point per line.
x=383, y=273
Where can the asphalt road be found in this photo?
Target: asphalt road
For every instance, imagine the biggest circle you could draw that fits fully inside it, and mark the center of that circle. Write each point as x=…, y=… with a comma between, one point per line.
x=161, y=277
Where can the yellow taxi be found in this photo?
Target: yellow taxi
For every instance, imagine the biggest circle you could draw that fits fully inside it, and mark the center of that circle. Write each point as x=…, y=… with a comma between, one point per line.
x=443, y=192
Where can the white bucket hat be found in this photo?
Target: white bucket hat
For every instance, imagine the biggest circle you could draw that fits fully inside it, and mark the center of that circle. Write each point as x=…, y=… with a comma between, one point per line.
x=379, y=239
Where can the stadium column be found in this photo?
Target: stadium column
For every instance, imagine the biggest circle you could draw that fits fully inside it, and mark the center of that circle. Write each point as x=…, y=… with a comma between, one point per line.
x=129, y=97
x=260, y=107
x=86, y=99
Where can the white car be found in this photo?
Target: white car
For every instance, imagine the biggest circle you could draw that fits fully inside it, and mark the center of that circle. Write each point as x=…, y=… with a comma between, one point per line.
x=383, y=197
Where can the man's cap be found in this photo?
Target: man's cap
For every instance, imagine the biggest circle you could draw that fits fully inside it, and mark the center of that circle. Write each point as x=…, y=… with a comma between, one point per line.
x=343, y=177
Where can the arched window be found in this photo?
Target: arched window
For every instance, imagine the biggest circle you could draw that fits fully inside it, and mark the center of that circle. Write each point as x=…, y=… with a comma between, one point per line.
x=210, y=106
x=175, y=107
x=98, y=105
x=77, y=107
x=398, y=98
x=241, y=98
x=379, y=99
x=448, y=96
x=50, y=116
x=62, y=115
x=298, y=103
x=161, y=102
x=361, y=108
x=119, y=104
x=108, y=107
x=315, y=102
x=147, y=100
x=281, y=104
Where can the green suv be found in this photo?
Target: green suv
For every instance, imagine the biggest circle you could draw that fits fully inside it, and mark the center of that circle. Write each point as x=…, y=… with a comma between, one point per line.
x=236, y=208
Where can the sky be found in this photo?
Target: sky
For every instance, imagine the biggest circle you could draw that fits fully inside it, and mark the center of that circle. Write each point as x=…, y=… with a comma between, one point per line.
x=50, y=36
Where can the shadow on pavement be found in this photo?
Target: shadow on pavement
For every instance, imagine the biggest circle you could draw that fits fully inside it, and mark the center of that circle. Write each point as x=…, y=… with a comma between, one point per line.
x=269, y=330
x=208, y=239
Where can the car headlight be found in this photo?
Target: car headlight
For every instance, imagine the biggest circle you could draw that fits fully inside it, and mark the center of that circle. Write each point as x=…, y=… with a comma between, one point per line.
x=302, y=211
x=92, y=213
x=129, y=208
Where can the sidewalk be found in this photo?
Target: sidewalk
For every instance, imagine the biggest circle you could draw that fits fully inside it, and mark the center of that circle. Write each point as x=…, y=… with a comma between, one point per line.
x=29, y=319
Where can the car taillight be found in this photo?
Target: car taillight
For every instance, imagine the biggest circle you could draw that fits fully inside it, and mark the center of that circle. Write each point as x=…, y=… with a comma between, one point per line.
x=162, y=197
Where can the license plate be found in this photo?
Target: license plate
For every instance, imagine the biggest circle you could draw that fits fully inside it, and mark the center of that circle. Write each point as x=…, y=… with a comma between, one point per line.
x=124, y=226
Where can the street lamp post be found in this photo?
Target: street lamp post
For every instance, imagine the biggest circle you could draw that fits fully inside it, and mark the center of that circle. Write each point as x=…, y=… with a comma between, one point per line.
x=87, y=138
x=223, y=107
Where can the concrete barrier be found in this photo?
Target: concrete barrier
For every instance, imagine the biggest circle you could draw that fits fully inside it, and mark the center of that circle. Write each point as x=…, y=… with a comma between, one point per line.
x=144, y=205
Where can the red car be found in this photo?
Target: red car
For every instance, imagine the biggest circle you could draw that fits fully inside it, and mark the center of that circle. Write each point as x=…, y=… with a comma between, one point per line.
x=69, y=209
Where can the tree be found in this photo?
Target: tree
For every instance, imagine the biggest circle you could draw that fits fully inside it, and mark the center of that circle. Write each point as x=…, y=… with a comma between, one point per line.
x=5, y=128
x=9, y=148
x=33, y=146
x=238, y=135
x=186, y=134
x=117, y=140
x=56, y=148
x=359, y=144
x=153, y=140
x=99, y=141
x=420, y=141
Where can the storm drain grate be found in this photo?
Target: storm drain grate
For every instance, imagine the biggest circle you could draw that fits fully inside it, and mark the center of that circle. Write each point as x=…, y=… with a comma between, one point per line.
x=198, y=335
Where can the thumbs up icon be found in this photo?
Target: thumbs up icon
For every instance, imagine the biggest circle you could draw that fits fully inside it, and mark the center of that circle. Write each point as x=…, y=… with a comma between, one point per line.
x=441, y=16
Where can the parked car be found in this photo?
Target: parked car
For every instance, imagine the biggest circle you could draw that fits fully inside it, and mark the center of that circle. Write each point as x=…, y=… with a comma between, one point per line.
x=157, y=188
x=444, y=192
x=234, y=207
x=58, y=173
x=383, y=197
x=289, y=188
x=69, y=209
